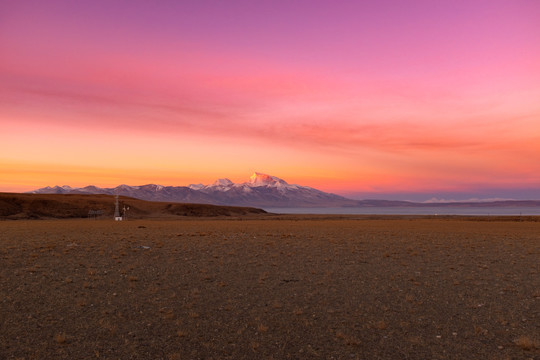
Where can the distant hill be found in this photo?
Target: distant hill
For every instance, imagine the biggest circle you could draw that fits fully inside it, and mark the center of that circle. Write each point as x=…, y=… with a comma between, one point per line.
x=42, y=206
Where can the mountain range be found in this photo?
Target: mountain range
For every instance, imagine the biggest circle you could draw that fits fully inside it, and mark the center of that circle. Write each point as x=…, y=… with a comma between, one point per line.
x=261, y=190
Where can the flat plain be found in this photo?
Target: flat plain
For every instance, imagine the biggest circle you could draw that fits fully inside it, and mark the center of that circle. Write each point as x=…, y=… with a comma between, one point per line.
x=274, y=287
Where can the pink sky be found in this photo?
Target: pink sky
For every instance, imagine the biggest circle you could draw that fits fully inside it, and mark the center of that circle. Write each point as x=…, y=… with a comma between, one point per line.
x=381, y=97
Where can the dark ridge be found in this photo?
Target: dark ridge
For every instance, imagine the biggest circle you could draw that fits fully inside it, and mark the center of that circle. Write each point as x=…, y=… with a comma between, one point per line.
x=65, y=206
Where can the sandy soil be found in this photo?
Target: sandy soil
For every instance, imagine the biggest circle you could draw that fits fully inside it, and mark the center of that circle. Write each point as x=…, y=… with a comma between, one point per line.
x=270, y=289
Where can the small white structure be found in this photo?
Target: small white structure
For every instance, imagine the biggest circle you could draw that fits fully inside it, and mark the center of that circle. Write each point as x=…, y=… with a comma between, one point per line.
x=117, y=216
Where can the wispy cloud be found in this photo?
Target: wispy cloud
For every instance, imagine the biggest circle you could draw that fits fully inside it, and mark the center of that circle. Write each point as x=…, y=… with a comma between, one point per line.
x=336, y=127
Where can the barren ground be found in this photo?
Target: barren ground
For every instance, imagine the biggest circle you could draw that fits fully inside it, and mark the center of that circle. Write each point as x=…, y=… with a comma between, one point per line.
x=290, y=288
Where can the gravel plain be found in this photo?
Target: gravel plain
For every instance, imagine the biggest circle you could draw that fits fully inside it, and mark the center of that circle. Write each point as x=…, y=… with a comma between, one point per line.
x=287, y=287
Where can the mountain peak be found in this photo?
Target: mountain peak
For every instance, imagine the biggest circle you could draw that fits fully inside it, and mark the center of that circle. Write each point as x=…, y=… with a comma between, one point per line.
x=222, y=182
x=259, y=179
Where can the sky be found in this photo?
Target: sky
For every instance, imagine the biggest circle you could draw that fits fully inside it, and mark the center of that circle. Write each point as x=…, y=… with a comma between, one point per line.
x=381, y=99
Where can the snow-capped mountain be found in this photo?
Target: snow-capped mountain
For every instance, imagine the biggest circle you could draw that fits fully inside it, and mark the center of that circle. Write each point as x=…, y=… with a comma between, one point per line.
x=258, y=179
x=269, y=191
x=261, y=190
x=56, y=189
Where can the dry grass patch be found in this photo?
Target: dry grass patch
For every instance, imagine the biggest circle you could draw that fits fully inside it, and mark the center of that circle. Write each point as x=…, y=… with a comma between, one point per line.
x=526, y=343
x=262, y=328
x=298, y=311
x=60, y=338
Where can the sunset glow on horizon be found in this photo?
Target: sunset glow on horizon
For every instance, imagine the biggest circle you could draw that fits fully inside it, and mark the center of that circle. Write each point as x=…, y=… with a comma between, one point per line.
x=357, y=98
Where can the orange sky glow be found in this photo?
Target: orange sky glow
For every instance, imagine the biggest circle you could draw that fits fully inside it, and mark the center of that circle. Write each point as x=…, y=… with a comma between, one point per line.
x=353, y=99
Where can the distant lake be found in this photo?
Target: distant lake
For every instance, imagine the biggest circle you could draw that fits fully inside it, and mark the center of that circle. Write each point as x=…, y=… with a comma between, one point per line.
x=431, y=210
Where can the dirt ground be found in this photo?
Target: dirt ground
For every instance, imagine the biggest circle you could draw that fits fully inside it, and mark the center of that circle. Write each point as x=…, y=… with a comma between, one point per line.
x=290, y=288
